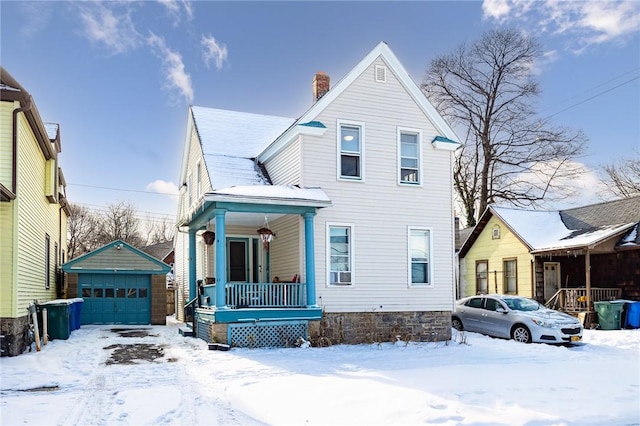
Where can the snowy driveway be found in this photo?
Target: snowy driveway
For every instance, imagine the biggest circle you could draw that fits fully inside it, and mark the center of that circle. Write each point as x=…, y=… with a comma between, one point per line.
x=98, y=378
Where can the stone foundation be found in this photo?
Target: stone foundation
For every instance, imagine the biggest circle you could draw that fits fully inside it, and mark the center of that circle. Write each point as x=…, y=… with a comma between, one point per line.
x=15, y=338
x=371, y=327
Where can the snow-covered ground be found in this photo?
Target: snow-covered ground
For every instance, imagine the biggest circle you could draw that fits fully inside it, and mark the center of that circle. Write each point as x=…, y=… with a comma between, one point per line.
x=482, y=381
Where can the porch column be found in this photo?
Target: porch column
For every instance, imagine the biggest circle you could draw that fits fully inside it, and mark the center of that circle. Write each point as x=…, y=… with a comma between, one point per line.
x=193, y=292
x=587, y=277
x=309, y=257
x=221, y=256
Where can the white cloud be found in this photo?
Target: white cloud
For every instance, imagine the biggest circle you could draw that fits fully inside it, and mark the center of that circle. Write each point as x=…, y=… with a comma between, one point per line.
x=213, y=50
x=496, y=9
x=587, y=22
x=580, y=187
x=176, y=74
x=109, y=24
x=162, y=187
x=176, y=9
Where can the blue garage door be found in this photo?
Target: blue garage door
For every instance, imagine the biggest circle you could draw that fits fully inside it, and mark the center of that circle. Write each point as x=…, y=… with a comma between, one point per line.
x=115, y=299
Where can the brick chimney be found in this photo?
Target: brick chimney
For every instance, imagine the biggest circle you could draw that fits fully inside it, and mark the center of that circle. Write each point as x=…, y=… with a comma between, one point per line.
x=321, y=85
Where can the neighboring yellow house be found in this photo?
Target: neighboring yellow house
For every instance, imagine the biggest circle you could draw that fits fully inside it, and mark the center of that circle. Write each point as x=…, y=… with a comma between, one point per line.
x=495, y=260
x=565, y=258
x=33, y=213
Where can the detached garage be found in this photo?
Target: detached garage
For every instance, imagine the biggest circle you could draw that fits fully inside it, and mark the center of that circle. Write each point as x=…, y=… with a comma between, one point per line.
x=119, y=284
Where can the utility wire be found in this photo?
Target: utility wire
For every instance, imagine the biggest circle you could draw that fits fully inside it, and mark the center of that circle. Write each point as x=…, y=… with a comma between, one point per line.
x=594, y=96
x=122, y=189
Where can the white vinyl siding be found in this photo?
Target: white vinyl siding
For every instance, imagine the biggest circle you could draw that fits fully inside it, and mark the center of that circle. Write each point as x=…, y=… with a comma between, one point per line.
x=284, y=168
x=409, y=156
x=340, y=254
x=380, y=208
x=350, y=150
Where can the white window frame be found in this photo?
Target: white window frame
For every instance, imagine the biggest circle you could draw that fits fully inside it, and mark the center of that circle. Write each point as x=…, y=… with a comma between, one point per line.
x=429, y=259
x=352, y=234
x=418, y=133
x=349, y=123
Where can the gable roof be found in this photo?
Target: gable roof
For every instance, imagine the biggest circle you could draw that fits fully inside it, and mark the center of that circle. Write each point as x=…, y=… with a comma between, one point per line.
x=381, y=50
x=116, y=257
x=159, y=250
x=542, y=231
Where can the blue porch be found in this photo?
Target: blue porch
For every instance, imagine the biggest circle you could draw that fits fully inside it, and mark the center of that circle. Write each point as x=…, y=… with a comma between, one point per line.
x=252, y=312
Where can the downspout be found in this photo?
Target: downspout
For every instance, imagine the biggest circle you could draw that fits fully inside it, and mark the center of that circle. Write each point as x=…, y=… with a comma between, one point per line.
x=14, y=143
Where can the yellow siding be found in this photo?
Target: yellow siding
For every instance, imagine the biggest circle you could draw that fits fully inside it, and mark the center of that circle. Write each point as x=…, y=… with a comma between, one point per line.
x=7, y=259
x=287, y=248
x=508, y=246
x=6, y=116
x=36, y=218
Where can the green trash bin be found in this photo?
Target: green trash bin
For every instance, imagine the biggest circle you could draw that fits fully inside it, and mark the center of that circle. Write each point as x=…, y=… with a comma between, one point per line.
x=609, y=314
x=58, y=318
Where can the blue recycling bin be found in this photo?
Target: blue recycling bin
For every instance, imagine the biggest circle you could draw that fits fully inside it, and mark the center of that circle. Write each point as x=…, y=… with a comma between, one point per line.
x=77, y=312
x=632, y=317
x=73, y=324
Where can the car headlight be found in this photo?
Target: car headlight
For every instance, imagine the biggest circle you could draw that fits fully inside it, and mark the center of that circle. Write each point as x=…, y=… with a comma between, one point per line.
x=543, y=323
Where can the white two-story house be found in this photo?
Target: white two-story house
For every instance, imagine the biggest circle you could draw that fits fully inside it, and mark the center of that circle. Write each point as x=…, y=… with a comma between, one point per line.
x=336, y=226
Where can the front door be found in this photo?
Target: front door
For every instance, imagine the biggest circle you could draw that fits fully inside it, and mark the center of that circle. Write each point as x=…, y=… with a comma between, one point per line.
x=551, y=279
x=238, y=266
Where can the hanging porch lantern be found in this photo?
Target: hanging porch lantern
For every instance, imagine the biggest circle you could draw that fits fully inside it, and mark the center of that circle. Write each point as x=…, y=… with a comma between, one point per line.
x=209, y=237
x=266, y=234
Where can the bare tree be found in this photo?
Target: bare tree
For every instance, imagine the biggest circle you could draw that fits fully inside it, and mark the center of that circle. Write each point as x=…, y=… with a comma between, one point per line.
x=623, y=178
x=82, y=231
x=158, y=231
x=509, y=154
x=119, y=222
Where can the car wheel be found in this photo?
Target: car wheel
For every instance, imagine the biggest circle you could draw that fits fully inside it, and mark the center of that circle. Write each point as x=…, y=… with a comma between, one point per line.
x=457, y=324
x=521, y=334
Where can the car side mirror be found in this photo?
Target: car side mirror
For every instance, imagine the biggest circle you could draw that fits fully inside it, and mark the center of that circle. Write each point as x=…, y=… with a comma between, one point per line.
x=501, y=310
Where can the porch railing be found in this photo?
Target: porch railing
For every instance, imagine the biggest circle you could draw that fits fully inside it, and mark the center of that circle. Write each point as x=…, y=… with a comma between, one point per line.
x=575, y=299
x=266, y=295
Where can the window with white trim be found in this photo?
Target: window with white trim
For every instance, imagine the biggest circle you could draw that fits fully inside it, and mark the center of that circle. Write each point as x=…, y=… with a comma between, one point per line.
x=409, y=158
x=350, y=148
x=340, y=254
x=420, y=256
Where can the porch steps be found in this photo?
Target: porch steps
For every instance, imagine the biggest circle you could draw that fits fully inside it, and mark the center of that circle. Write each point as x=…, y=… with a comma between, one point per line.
x=186, y=331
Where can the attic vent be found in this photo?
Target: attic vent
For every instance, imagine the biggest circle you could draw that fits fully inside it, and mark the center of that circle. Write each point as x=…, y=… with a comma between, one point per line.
x=495, y=234
x=380, y=74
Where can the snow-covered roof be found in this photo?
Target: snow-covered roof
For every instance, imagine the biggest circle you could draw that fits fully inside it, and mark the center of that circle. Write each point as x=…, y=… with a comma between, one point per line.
x=271, y=194
x=232, y=140
x=545, y=230
x=237, y=134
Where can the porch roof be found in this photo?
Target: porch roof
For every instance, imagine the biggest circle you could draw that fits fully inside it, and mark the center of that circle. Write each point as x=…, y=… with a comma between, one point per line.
x=274, y=199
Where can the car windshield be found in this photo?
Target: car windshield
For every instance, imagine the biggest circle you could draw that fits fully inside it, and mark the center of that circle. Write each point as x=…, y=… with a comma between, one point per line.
x=519, y=304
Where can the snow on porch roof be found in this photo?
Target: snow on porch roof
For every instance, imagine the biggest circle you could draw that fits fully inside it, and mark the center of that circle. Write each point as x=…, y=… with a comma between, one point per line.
x=271, y=194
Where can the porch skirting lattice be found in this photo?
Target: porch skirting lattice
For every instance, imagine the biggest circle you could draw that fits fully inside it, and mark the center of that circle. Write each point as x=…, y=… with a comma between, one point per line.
x=267, y=333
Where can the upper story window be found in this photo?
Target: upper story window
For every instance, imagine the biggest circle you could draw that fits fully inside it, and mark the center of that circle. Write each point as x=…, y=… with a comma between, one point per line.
x=351, y=150
x=409, y=149
x=340, y=254
x=420, y=256
x=198, y=180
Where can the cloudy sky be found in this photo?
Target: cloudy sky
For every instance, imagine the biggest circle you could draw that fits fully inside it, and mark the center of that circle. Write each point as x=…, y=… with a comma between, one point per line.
x=118, y=76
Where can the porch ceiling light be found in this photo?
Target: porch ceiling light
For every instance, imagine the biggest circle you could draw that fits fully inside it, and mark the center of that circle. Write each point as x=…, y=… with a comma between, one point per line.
x=266, y=234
